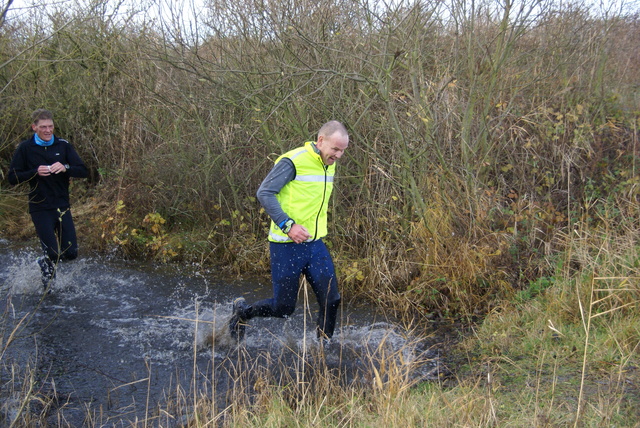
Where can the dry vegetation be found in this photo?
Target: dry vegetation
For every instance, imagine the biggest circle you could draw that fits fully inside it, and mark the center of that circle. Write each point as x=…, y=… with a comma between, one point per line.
x=492, y=172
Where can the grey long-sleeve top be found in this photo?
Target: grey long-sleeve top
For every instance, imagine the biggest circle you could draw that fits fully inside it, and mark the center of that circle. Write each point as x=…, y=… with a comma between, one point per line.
x=281, y=174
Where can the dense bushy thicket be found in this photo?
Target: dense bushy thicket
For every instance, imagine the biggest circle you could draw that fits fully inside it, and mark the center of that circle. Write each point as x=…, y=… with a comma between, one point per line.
x=480, y=133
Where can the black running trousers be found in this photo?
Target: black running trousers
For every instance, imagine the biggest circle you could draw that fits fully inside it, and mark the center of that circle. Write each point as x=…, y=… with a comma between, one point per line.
x=57, y=233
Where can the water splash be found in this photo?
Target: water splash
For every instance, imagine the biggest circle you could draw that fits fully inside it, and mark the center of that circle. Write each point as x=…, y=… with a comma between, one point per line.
x=20, y=274
x=110, y=325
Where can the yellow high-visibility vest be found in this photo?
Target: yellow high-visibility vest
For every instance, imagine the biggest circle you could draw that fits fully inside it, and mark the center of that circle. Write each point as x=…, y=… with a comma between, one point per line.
x=306, y=198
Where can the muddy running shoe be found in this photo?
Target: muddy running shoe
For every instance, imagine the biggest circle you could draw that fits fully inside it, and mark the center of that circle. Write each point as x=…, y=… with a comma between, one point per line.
x=322, y=338
x=48, y=270
x=238, y=317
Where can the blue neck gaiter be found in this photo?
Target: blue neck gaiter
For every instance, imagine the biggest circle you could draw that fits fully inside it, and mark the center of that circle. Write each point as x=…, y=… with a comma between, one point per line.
x=41, y=142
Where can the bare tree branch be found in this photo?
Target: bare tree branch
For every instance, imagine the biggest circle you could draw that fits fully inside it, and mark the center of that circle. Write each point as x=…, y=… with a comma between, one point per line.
x=3, y=13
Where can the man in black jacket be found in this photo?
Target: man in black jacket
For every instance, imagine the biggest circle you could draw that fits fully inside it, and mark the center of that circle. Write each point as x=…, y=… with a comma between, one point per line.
x=47, y=162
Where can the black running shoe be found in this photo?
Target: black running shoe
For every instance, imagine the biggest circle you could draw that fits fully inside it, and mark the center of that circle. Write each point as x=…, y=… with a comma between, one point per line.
x=238, y=317
x=48, y=270
x=322, y=337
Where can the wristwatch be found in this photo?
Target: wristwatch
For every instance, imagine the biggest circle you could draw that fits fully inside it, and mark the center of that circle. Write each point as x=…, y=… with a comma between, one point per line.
x=287, y=225
x=66, y=166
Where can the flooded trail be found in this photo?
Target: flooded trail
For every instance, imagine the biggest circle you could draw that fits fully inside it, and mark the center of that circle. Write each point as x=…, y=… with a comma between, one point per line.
x=118, y=341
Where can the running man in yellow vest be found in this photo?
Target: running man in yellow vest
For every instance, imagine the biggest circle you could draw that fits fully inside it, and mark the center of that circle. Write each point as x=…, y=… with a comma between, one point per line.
x=295, y=194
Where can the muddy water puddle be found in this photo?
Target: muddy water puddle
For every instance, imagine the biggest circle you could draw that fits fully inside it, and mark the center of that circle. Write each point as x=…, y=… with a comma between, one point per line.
x=118, y=341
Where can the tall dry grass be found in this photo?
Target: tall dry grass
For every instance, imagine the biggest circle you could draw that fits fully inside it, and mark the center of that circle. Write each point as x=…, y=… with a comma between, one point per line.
x=580, y=333
x=480, y=133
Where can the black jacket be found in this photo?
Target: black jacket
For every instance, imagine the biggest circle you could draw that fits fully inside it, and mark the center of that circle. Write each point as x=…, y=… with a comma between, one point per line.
x=52, y=191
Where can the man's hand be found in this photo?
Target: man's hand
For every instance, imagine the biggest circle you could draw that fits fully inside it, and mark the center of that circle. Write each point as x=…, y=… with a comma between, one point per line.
x=298, y=233
x=56, y=168
x=44, y=170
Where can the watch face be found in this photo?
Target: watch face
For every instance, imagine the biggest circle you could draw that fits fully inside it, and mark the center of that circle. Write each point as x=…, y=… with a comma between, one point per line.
x=287, y=226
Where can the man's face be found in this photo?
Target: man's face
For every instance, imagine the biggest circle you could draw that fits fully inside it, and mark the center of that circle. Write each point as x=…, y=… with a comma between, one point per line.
x=332, y=147
x=44, y=128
